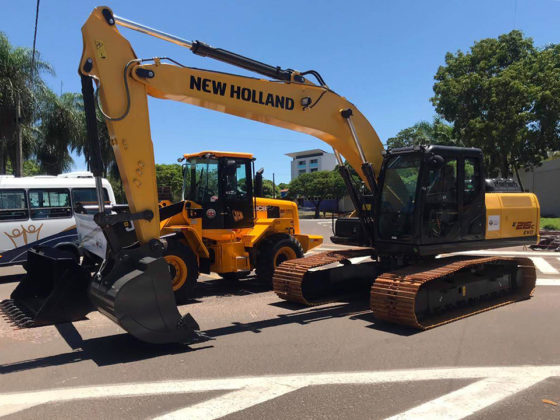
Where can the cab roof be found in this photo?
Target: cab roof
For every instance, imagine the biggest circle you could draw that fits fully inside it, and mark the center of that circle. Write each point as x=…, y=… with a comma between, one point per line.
x=219, y=154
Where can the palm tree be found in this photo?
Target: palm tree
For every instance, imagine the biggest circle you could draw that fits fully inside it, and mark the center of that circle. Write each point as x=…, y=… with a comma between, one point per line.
x=19, y=80
x=60, y=129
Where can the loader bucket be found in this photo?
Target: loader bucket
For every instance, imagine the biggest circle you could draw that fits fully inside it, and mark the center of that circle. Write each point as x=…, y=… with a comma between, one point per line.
x=141, y=301
x=54, y=290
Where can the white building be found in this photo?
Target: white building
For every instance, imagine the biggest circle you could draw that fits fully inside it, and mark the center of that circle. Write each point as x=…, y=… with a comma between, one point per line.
x=311, y=161
x=543, y=182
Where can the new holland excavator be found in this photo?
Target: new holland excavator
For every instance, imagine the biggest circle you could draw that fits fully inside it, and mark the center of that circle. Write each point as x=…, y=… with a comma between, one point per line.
x=421, y=201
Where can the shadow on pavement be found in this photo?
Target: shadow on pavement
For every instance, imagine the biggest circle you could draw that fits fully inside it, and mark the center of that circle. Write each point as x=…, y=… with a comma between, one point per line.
x=307, y=317
x=223, y=287
x=385, y=326
x=103, y=351
x=123, y=348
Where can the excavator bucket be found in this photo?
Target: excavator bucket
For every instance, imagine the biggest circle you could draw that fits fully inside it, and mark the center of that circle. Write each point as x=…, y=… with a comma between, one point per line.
x=54, y=290
x=139, y=298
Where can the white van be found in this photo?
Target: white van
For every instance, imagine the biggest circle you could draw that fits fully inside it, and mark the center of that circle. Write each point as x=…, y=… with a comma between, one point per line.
x=39, y=210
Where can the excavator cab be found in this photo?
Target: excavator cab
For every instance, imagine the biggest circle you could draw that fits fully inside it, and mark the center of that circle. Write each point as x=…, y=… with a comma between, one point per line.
x=222, y=184
x=431, y=198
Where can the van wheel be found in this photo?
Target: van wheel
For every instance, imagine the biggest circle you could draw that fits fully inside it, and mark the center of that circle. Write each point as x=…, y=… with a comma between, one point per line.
x=184, y=272
x=272, y=252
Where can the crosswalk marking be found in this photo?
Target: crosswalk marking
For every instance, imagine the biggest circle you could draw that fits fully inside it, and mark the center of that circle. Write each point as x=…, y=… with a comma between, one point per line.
x=543, y=266
x=493, y=385
x=469, y=399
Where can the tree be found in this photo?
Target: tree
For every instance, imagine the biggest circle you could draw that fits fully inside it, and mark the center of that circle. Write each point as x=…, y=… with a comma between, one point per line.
x=19, y=81
x=170, y=175
x=268, y=189
x=317, y=186
x=503, y=97
x=60, y=129
x=424, y=133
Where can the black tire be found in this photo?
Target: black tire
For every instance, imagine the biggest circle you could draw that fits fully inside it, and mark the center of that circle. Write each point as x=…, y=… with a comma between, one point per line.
x=183, y=276
x=273, y=251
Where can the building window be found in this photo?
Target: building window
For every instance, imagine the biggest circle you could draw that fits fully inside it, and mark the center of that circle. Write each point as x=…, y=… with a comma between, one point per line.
x=301, y=163
x=314, y=163
x=301, y=171
x=314, y=169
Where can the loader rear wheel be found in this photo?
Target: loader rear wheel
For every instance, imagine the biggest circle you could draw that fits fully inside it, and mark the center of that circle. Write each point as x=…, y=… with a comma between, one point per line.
x=274, y=251
x=184, y=272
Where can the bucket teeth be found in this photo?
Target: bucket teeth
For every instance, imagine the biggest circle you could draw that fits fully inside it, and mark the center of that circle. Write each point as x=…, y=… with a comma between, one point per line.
x=15, y=315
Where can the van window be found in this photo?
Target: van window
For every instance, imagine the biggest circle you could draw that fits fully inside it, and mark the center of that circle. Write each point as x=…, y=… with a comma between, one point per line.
x=87, y=196
x=13, y=205
x=50, y=203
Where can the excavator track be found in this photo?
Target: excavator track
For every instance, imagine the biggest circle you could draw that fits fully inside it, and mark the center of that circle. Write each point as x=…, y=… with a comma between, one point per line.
x=292, y=280
x=396, y=296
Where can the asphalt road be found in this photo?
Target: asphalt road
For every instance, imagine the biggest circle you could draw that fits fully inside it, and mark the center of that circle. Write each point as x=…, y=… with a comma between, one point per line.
x=270, y=359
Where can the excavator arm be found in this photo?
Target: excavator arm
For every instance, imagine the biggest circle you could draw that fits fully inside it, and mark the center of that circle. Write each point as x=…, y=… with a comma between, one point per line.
x=291, y=101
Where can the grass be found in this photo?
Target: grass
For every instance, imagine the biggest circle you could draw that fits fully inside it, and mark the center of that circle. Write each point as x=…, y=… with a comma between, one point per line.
x=550, y=223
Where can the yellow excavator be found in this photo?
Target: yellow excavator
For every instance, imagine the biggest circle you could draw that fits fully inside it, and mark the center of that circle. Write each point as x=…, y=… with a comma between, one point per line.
x=420, y=201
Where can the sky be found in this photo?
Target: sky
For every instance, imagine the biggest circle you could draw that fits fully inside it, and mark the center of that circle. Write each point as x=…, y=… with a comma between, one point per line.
x=380, y=55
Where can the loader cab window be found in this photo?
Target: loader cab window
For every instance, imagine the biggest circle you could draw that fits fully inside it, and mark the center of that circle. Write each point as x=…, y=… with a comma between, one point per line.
x=201, y=181
x=398, y=197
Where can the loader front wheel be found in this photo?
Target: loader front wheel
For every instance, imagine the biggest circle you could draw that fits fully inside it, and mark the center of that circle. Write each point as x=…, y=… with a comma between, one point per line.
x=184, y=272
x=274, y=251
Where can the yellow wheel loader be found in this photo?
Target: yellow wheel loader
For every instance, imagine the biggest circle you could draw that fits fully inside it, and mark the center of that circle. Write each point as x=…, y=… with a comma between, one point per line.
x=420, y=201
x=225, y=226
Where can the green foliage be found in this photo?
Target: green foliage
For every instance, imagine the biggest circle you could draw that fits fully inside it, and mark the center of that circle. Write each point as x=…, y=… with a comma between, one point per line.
x=317, y=186
x=61, y=128
x=19, y=80
x=550, y=223
x=268, y=189
x=424, y=133
x=283, y=185
x=170, y=175
x=504, y=97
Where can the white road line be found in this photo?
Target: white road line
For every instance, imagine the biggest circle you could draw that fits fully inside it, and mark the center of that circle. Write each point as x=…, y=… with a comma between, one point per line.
x=11, y=403
x=548, y=282
x=543, y=266
x=230, y=402
x=470, y=399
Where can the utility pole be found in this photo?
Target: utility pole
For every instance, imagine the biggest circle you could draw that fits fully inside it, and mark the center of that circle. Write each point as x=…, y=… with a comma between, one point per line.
x=18, y=170
x=273, y=186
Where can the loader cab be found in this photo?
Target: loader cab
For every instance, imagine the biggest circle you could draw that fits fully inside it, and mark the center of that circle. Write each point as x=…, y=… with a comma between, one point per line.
x=222, y=184
x=431, y=200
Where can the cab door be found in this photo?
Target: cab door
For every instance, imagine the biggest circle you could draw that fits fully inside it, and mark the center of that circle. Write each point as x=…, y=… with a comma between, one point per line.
x=440, y=212
x=236, y=193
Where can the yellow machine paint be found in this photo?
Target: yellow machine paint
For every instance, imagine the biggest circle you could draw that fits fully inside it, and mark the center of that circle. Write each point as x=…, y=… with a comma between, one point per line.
x=231, y=252
x=232, y=247
x=512, y=215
